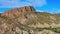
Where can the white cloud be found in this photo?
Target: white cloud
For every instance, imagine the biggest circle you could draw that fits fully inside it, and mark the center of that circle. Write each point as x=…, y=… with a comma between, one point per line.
x=21, y=3
x=37, y=2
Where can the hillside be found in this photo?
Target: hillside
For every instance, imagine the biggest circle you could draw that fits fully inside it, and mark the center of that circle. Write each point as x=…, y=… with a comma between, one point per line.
x=26, y=20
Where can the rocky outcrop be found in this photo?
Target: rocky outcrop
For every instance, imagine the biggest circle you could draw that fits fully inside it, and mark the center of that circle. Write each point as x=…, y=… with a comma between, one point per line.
x=18, y=11
x=19, y=14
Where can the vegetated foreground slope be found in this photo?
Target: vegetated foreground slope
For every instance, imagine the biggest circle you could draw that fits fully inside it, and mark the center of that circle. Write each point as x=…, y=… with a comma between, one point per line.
x=26, y=20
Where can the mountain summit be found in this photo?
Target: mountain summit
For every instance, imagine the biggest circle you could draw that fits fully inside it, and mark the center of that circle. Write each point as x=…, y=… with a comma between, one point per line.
x=18, y=11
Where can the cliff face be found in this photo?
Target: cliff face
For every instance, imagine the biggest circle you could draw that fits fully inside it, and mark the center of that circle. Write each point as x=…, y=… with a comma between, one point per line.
x=25, y=20
x=19, y=14
x=18, y=11
x=12, y=21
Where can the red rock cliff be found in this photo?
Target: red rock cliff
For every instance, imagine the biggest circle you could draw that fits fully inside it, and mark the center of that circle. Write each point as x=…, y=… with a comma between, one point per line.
x=18, y=11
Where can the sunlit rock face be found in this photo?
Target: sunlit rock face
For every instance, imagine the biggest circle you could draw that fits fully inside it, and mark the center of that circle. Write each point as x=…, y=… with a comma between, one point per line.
x=18, y=11
x=19, y=14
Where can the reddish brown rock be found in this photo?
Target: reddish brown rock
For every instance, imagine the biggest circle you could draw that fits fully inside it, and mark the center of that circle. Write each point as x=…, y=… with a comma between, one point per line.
x=18, y=11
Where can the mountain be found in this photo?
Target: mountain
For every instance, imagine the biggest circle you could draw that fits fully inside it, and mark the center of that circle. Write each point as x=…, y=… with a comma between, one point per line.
x=26, y=20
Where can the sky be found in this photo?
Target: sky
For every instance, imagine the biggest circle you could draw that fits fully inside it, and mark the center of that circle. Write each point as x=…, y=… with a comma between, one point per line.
x=51, y=6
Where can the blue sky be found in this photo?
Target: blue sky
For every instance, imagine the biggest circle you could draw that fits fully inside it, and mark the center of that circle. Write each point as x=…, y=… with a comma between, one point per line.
x=51, y=6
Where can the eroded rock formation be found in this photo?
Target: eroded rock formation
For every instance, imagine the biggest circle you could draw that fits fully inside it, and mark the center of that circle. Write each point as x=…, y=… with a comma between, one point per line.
x=25, y=20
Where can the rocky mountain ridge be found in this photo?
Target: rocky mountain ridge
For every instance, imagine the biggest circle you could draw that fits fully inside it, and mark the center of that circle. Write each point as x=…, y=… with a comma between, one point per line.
x=17, y=11
x=26, y=20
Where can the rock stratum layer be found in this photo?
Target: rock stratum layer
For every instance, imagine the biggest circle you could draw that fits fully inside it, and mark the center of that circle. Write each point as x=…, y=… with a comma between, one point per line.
x=26, y=20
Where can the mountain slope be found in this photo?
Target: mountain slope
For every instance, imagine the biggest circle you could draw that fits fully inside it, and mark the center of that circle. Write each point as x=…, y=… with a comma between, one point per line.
x=26, y=20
